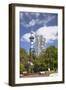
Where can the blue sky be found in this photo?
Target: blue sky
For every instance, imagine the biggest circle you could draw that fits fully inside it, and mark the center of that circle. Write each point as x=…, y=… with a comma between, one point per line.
x=42, y=23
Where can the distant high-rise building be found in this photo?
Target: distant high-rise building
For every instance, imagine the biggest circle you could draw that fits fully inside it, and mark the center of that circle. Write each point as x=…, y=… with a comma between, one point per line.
x=39, y=44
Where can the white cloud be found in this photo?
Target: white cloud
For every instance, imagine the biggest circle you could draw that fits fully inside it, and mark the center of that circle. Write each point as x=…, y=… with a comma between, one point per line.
x=45, y=21
x=26, y=13
x=26, y=37
x=38, y=21
x=49, y=33
x=37, y=15
x=31, y=23
x=49, y=19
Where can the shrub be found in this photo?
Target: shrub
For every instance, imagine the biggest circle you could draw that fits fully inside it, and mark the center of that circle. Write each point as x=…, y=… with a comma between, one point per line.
x=22, y=68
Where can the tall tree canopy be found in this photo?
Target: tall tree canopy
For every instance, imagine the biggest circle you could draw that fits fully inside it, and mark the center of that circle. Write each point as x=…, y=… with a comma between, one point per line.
x=48, y=58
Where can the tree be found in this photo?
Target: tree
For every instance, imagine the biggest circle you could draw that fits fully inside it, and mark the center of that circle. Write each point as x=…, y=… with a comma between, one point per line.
x=22, y=68
x=47, y=59
x=51, y=57
x=23, y=60
x=23, y=56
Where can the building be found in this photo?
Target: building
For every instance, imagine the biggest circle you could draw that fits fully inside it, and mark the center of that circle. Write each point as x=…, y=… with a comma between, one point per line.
x=39, y=44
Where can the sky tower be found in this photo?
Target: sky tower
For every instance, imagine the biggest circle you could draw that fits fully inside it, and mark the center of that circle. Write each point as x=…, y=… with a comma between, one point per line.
x=31, y=45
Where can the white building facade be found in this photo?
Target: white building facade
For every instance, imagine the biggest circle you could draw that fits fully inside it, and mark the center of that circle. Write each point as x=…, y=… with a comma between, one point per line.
x=39, y=44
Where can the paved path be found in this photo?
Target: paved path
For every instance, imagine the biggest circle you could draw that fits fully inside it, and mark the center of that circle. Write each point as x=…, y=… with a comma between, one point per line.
x=35, y=75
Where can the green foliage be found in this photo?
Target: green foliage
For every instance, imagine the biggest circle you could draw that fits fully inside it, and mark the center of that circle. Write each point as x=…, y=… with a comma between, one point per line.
x=51, y=56
x=22, y=68
x=23, y=60
x=23, y=52
x=23, y=56
x=47, y=58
